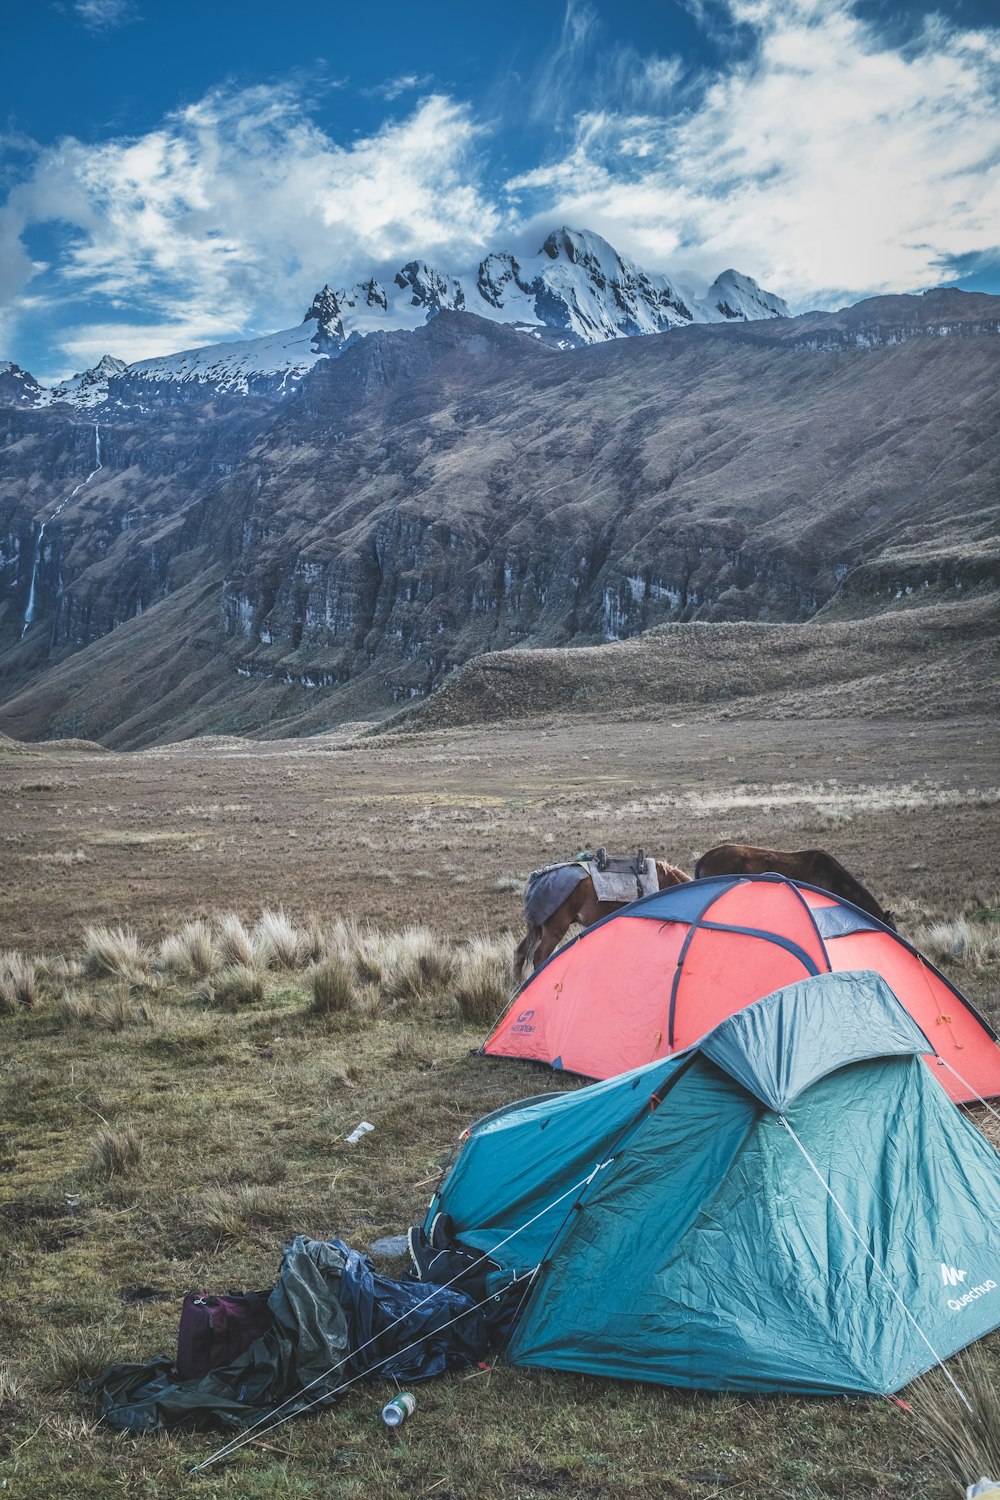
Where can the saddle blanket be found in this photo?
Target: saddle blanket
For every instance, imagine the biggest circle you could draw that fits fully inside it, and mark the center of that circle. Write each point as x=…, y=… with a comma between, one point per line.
x=615, y=886
x=548, y=888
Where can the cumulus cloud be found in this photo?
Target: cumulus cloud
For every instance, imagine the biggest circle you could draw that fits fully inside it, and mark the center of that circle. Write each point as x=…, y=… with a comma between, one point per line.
x=826, y=162
x=821, y=157
x=231, y=214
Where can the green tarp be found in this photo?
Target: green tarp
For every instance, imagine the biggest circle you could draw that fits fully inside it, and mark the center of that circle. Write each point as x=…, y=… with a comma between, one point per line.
x=792, y=1205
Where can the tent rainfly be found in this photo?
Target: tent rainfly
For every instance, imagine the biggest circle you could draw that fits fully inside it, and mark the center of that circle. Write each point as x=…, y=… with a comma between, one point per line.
x=652, y=978
x=793, y=1204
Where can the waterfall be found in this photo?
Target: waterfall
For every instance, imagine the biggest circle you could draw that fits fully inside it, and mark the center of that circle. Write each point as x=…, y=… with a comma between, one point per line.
x=29, y=613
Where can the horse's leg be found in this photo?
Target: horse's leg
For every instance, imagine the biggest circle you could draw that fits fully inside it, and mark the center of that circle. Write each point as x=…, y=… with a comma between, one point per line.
x=524, y=950
x=551, y=935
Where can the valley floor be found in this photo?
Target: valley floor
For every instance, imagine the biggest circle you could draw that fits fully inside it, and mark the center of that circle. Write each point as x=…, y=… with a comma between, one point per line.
x=237, y=1116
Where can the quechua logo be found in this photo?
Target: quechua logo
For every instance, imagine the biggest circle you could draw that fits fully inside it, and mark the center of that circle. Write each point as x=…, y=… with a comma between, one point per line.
x=953, y=1277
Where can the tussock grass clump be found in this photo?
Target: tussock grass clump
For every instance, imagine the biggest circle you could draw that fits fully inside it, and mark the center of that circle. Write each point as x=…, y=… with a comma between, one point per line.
x=959, y=941
x=18, y=982
x=117, y=1149
x=10, y=1385
x=76, y=1007
x=60, y=970
x=233, y=986
x=236, y=943
x=418, y=966
x=287, y=946
x=114, y=950
x=482, y=988
x=121, y=1008
x=190, y=951
x=69, y=1355
x=334, y=985
x=369, y=1005
x=230, y=1213
x=966, y=1444
x=313, y=942
x=114, y=1011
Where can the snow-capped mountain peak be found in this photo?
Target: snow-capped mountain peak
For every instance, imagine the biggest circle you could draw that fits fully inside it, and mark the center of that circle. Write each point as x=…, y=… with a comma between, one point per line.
x=577, y=289
x=736, y=296
x=87, y=388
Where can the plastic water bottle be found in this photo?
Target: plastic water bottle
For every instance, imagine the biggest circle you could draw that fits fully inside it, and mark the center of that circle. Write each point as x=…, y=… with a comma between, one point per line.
x=396, y=1411
x=359, y=1131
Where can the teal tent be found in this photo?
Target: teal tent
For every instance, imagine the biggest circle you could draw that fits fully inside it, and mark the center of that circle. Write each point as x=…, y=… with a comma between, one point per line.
x=794, y=1204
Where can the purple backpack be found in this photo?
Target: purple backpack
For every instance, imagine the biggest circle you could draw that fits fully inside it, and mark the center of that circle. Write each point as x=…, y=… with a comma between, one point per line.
x=215, y=1331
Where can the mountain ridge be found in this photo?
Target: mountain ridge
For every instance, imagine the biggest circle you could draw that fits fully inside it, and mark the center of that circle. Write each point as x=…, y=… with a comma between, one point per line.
x=433, y=495
x=576, y=290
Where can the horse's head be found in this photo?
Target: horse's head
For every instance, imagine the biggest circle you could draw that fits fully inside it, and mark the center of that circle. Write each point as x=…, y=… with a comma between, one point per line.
x=890, y=920
x=668, y=875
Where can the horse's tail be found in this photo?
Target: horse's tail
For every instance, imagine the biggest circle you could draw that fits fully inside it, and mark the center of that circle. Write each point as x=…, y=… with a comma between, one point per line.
x=524, y=950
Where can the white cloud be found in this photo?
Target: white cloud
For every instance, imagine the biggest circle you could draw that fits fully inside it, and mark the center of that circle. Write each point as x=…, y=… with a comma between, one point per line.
x=103, y=15
x=392, y=88
x=229, y=216
x=828, y=163
x=132, y=341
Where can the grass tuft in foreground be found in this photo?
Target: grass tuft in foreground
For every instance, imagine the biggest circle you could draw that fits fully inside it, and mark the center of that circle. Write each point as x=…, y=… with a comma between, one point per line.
x=18, y=982
x=483, y=985
x=117, y=1149
x=236, y=985
x=335, y=986
x=114, y=950
x=190, y=951
x=966, y=1443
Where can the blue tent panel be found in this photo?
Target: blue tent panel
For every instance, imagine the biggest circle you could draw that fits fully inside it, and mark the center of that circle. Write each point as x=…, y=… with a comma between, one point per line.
x=784, y=1043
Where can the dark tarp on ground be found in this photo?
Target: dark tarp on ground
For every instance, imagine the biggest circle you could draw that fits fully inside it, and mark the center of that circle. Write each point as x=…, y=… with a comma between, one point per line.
x=328, y=1303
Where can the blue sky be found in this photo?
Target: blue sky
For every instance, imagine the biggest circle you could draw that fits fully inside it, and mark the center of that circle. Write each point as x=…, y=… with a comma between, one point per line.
x=177, y=173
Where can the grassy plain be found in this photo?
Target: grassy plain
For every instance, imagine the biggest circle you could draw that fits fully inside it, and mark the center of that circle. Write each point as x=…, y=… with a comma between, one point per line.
x=160, y=1133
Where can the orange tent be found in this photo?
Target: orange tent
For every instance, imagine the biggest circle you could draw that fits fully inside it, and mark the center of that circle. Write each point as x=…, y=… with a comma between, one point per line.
x=655, y=977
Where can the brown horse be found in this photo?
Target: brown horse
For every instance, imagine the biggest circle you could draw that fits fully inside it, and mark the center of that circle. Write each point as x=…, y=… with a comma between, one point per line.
x=581, y=906
x=811, y=866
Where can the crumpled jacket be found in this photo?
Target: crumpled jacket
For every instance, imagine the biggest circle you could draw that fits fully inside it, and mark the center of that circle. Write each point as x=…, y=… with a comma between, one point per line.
x=335, y=1318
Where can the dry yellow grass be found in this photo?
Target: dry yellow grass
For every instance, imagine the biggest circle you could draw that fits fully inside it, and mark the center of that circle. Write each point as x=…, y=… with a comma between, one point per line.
x=18, y=981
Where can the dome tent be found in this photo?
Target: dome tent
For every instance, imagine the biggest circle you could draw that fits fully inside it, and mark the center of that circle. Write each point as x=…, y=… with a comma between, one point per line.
x=649, y=980
x=791, y=1205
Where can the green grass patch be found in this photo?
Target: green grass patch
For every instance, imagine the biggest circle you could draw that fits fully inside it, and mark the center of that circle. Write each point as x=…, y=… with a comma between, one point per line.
x=181, y=1147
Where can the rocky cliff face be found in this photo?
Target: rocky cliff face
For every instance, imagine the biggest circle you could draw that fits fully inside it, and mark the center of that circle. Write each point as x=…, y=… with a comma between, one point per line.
x=97, y=519
x=432, y=495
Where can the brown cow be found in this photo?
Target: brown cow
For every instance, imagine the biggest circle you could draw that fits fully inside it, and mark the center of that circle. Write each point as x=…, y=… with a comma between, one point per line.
x=811, y=866
x=581, y=906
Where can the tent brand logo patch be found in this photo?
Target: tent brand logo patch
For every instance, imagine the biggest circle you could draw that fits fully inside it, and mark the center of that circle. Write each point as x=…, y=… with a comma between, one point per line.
x=952, y=1276
x=523, y=1022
